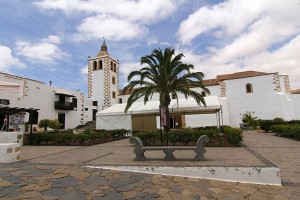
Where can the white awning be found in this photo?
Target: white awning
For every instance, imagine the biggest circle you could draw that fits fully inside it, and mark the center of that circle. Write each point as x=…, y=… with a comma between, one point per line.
x=187, y=106
x=67, y=93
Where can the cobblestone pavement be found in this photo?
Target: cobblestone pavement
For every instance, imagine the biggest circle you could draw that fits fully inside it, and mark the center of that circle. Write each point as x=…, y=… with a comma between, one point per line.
x=281, y=152
x=31, y=181
x=60, y=172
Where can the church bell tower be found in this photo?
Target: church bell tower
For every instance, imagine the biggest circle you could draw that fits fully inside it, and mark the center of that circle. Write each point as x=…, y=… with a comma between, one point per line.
x=103, y=79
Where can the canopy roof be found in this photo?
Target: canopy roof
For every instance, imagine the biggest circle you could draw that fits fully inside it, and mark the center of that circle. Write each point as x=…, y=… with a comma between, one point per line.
x=13, y=110
x=66, y=93
x=187, y=106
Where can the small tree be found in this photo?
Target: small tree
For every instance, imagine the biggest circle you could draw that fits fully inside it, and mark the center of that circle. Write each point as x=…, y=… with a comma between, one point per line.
x=250, y=120
x=44, y=123
x=55, y=124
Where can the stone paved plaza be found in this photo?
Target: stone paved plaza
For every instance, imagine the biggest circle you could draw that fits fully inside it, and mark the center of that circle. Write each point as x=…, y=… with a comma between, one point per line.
x=49, y=172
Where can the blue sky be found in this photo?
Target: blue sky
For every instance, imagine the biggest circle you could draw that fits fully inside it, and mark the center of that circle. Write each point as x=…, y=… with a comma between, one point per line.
x=52, y=39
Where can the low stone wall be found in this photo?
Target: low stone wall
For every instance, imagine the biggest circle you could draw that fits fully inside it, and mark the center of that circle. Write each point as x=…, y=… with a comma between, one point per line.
x=11, y=137
x=9, y=152
x=10, y=144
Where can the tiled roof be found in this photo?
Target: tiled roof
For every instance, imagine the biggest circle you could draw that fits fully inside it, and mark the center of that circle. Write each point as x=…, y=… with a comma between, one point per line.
x=238, y=75
x=295, y=91
x=210, y=82
x=216, y=81
x=102, y=53
x=121, y=92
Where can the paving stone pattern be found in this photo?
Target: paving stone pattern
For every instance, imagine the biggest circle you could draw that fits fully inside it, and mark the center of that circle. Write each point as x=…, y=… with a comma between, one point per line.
x=31, y=181
x=61, y=172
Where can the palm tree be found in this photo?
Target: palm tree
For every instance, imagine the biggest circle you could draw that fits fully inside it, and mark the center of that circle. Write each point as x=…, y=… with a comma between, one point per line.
x=167, y=75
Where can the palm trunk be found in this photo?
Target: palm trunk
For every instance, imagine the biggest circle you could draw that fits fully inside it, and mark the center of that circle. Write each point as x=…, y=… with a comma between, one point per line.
x=167, y=103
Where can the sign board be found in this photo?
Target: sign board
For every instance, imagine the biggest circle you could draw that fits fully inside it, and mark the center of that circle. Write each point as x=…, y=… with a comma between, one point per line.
x=163, y=116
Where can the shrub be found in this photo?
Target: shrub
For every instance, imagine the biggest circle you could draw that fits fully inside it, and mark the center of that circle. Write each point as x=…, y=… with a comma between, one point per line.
x=44, y=123
x=289, y=131
x=67, y=137
x=179, y=137
x=265, y=125
x=249, y=119
x=235, y=135
x=55, y=124
x=278, y=120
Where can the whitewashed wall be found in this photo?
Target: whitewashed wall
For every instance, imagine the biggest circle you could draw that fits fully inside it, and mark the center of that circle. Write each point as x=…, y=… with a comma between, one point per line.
x=41, y=96
x=264, y=101
x=98, y=87
x=296, y=104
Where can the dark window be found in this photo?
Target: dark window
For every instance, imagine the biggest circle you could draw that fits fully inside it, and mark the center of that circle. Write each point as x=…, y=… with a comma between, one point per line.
x=173, y=96
x=113, y=80
x=74, y=102
x=120, y=100
x=115, y=67
x=86, y=109
x=249, y=88
x=203, y=94
x=62, y=98
x=95, y=103
x=100, y=64
x=114, y=95
x=95, y=65
x=61, y=119
x=111, y=65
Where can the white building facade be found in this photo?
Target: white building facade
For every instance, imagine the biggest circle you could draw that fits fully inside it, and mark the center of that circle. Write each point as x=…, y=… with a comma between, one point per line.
x=71, y=108
x=265, y=95
x=103, y=80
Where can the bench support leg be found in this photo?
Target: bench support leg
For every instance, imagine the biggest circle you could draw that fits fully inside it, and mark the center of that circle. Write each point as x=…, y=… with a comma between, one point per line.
x=139, y=155
x=169, y=154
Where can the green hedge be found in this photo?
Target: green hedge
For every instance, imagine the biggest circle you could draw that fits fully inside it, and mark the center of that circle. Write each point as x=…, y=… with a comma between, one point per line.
x=267, y=124
x=289, y=131
x=234, y=135
x=181, y=137
x=86, y=137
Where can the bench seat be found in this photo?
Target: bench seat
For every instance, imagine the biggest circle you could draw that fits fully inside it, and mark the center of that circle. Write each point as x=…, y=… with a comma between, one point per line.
x=168, y=150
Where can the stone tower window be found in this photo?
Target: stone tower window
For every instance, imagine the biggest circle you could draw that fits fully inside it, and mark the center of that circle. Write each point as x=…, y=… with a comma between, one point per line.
x=100, y=65
x=203, y=94
x=111, y=65
x=113, y=80
x=113, y=95
x=249, y=88
x=115, y=67
x=95, y=65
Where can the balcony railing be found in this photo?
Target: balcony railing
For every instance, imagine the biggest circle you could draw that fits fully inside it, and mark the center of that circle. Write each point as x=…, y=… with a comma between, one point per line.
x=63, y=105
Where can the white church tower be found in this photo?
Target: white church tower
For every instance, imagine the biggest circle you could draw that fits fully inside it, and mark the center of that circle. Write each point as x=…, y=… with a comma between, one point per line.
x=103, y=81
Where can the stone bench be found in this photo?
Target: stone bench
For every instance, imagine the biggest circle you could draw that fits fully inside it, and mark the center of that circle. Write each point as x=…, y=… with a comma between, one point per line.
x=9, y=152
x=140, y=149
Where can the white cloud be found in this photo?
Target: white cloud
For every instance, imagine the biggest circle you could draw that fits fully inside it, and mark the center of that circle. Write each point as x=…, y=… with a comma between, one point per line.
x=84, y=70
x=114, y=19
x=284, y=60
x=233, y=17
x=47, y=51
x=262, y=36
x=7, y=61
x=53, y=39
x=109, y=27
x=140, y=10
x=125, y=70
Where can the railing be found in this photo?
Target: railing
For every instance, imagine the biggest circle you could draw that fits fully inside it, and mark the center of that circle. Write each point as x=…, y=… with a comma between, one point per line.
x=63, y=105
